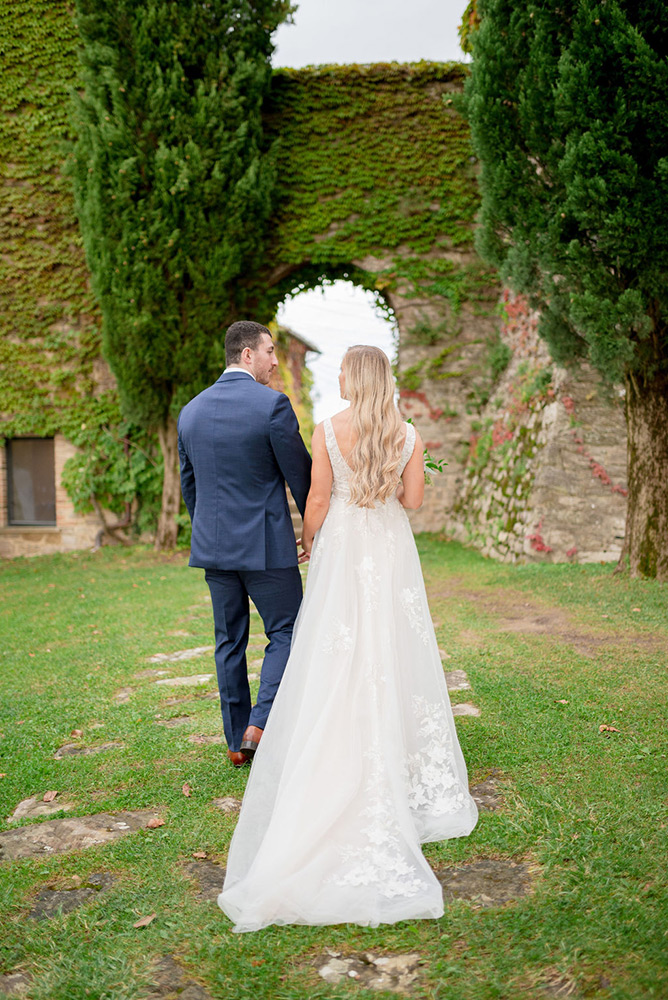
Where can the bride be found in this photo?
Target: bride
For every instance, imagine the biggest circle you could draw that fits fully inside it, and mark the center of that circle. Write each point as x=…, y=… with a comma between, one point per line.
x=359, y=763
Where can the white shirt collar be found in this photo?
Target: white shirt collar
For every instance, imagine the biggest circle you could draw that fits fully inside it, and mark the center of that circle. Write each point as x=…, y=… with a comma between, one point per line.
x=238, y=368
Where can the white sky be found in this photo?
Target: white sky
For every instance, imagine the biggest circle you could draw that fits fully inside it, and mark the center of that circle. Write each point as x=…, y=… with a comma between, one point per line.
x=356, y=31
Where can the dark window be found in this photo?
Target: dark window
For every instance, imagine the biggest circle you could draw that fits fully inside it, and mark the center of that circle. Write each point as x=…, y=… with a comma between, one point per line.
x=31, y=481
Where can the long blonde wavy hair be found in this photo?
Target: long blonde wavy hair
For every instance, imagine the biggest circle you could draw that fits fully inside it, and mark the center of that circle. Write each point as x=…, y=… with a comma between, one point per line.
x=378, y=428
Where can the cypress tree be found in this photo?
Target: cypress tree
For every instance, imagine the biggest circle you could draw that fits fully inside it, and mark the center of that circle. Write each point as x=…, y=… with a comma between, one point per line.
x=568, y=105
x=173, y=186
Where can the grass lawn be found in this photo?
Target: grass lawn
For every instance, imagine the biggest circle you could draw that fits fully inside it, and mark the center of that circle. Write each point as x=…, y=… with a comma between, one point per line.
x=552, y=654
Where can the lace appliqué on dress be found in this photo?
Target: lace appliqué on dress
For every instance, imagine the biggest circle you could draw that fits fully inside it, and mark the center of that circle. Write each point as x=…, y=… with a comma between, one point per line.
x=433, y=785
x=338, y=638
x=370, y=581
x=379, y=862
x=412, y=607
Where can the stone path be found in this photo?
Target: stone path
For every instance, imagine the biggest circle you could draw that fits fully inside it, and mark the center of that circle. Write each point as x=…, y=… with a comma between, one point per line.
x=227, y=804
x=395, y=973
x=465, y=708
x=486, y=882
x=208, y=877
x=486, y=793
x=58, y=836
x=123, y=695
x=36, y=808
x=54, y=899
x=175, y=721
x=80, y=750
x=170, y=981
x=14, y=984
x=181, y=654
x=457, y=680
x=192, y=680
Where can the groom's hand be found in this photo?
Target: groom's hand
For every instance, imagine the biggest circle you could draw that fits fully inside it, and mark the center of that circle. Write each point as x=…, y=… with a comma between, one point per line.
x=303, y=556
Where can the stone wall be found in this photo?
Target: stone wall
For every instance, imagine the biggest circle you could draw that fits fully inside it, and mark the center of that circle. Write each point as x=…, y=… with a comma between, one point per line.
x=545, y=473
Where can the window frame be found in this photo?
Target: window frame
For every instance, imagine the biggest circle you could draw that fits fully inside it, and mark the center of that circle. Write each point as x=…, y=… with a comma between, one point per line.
x=9, y=464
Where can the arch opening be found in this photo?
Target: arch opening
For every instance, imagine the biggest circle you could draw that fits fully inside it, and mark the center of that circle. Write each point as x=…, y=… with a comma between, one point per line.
x=333, y=315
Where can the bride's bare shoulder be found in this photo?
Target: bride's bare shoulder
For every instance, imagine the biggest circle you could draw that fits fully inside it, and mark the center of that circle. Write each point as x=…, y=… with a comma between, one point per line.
x=341, y=419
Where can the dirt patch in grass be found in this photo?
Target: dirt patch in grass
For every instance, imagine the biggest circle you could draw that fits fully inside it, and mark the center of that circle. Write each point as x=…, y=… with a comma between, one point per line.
x=514, y=613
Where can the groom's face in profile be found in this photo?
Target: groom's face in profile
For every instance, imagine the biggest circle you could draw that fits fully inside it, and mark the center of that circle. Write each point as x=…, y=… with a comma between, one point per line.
x=263, y=360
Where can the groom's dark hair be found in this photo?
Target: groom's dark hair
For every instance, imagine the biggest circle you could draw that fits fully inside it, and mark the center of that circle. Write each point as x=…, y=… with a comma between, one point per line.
x=243, y=334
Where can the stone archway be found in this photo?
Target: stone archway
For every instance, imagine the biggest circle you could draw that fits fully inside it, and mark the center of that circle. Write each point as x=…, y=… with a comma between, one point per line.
x=377, y=182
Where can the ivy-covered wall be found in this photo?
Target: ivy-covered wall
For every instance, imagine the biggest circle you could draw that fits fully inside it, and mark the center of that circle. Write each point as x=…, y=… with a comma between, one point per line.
x=49, y=342
x=545, y=477
x=376, y=182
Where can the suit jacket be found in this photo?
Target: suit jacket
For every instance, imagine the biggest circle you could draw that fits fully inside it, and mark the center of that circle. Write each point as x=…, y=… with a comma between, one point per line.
x=239, y=443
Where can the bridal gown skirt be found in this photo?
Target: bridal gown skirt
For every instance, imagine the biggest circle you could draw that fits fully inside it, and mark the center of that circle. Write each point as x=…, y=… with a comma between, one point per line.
x=359, y=762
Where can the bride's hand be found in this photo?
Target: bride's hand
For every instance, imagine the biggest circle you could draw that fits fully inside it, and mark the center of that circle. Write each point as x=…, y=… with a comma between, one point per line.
x=305, y=554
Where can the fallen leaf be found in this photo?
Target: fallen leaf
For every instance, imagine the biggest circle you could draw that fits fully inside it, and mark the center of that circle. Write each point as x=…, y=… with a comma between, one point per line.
x=77, y=732
x=3, y=775
x=257, y=961
x=49, y=796
x=562, y=701
x=199, y=854
x=145, y=921
x=154, y=822
x=186, y=789
x=608, y=729
x=635, y=609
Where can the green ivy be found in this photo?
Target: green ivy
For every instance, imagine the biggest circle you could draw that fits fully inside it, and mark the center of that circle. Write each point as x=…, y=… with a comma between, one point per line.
x=372, y=161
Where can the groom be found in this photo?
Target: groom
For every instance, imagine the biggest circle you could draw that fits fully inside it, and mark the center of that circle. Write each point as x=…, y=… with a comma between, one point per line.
x=239, y=443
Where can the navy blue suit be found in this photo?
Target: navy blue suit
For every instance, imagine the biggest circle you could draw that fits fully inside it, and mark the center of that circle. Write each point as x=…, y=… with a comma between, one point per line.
x=239, y=443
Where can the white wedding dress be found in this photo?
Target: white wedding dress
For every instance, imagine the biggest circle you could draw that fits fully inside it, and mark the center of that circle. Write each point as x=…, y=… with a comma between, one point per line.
x=359, y=762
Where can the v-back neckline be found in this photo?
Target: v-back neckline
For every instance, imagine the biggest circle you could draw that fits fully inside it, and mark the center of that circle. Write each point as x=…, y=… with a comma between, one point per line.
x=338, y=446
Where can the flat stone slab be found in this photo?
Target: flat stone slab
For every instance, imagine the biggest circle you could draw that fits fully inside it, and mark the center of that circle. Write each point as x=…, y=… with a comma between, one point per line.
x=487, y=795
x=80, y=750
x=58, y=836
x=124, y=695
x=54, y=900
x=175, y=722
x=14, y=984
x=209, y=877
x=143, y=675
x=457, y=680
x=34, y=808
x=466, y=708
x=181, y=654
x=192, y=681
x=227, y=804
x=205, y=740
x=555, y=985
x=169, y=980
x=370, y=970
x=488, y=882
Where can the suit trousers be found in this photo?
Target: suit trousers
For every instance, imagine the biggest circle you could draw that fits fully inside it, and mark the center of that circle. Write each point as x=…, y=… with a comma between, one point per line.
x=277, y=594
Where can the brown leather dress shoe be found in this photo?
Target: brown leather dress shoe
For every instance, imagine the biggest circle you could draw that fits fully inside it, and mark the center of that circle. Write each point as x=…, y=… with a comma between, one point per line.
x=251, y=738
x=237, y=758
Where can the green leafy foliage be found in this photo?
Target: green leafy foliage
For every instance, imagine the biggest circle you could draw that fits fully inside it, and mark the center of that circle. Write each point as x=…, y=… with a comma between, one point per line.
x=568, y=107
x=117, y=463
x=49, y=336
x=173, y=183
x=325, y=167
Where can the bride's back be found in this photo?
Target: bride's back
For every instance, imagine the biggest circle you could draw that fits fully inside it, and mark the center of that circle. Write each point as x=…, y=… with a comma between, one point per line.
x=370, y=434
